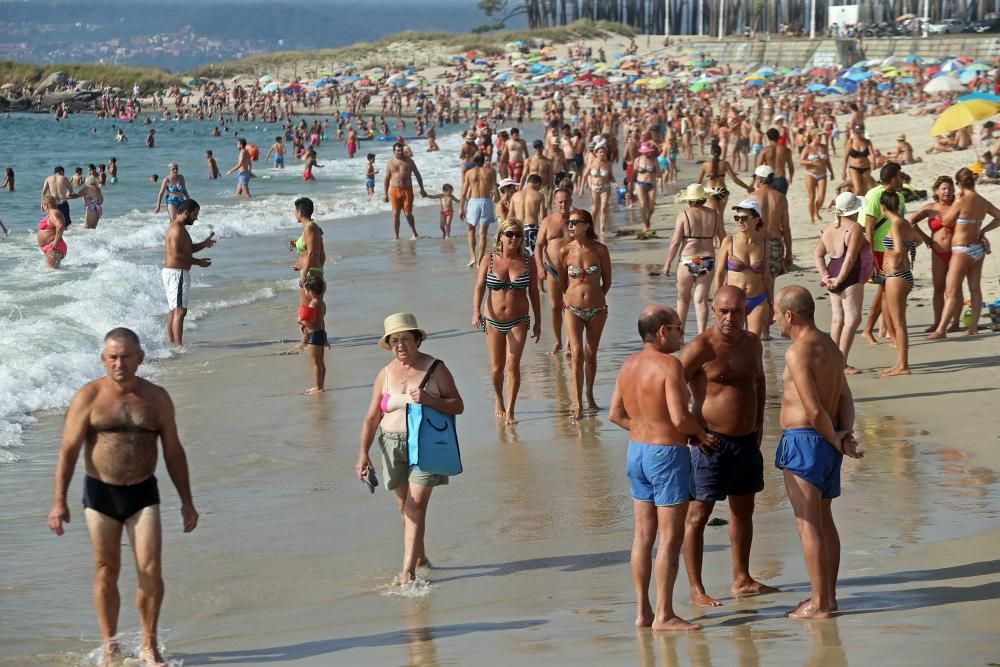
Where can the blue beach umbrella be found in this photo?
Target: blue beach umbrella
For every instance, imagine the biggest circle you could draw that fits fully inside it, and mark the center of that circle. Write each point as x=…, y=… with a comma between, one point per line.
x=813, y=87
x=756, y=82
x=270, y=88
x=912, y=59
x=859, y=76
x=906, y=79
x=883, y=86
x=834, y=90
x=988, y=97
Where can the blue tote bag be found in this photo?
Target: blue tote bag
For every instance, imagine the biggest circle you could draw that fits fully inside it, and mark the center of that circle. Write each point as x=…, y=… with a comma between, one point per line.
x=432, y=443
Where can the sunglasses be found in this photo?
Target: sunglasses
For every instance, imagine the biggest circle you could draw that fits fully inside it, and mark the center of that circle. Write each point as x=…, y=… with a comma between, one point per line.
x=573, y=222
x=741, y=218
x=513, y=235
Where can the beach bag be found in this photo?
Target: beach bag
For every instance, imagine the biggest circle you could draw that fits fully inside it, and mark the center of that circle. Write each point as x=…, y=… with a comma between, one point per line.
x=431, y=439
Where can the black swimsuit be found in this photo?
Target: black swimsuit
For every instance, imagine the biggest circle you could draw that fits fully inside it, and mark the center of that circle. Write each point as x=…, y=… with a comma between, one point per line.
x=120, y=502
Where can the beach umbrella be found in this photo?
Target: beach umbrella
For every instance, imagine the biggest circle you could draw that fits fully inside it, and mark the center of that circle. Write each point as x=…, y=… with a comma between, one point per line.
x=945, y=84
x=818, y=71
x=906, y=79
x=963, y=114
x=196, y=82
x=976, y=67
x=912, y=59
x=266, y=79
x=967, y=76
x=888, y=62
x=813, y=87
x=952, y=65
x=833, y=90
x=270, y=88
x=859, y=76
x=699, y=86
x=754, y=77
x=377, y=70
x=756, y=82
x=931, y=71
x=931, y=61
x=988, y=97
x=883, y=86
x=964, y=59
x=658, y=84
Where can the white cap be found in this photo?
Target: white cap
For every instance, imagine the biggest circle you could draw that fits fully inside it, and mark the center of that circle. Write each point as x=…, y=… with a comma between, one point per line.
x=764, y=171
x=749, y=205
x=507, y=181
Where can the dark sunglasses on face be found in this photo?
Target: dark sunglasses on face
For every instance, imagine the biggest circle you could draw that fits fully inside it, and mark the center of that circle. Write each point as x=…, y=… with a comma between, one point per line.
x=513, y=235
x=741, y=218
x=573, y=222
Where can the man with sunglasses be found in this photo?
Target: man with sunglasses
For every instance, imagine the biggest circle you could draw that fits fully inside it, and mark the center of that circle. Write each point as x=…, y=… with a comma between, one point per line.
x=552, y=234
x=650, y=400
x=724, y=369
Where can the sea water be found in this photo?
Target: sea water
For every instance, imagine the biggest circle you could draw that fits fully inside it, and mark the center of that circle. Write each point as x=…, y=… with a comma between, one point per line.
x=52, y=322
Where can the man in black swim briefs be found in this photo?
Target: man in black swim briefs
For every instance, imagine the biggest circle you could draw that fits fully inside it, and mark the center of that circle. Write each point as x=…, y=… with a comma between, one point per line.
x=553, y=232
x=725, y=370
x=118, y=419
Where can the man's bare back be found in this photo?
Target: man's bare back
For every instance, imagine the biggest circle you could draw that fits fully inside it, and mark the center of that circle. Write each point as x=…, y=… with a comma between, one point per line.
x=528, y=205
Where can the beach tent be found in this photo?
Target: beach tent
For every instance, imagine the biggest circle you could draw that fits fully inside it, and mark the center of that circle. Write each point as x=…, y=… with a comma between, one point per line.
x=945, y=84
x=963, y=114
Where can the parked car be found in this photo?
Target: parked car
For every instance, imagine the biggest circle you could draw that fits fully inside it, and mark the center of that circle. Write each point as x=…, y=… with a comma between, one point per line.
x=946, y=27
x=989, y=23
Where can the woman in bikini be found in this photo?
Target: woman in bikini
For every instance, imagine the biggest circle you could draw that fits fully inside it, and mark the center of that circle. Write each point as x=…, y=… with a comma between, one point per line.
x=968, y=250
x=93, y=202
x=858, y=153
x=508, y=275
x=601, y=178
x=50, y=233
x=933, y=212
x=311, y=253
x=585, y=278
x=742, y=262
x=644, y=177
x=899, y=242
x=851, y=265
x=311, y=162
x=175, y=188
x=411, y=377
x=695, y=231
x=715, y=170
x=816, y=160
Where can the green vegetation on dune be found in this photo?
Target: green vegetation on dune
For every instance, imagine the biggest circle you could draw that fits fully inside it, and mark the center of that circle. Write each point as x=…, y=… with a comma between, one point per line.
x=149, y=78
x=377, y=51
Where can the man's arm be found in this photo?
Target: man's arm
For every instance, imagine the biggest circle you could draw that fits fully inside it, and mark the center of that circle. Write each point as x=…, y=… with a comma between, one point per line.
x=207, y=243
x=760, y=380
x=790, y=163
x=677, y=402
x=420, y=180
x=617, y=413
x=385, y=181
x=786, y=231
x=74, y=434
x=176, y=460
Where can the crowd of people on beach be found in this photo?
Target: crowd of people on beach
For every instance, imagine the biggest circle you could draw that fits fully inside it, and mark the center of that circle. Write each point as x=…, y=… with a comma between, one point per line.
x=695, y=421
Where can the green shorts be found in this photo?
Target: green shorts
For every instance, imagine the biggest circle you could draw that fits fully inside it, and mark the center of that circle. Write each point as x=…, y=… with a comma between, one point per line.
x=396, y=469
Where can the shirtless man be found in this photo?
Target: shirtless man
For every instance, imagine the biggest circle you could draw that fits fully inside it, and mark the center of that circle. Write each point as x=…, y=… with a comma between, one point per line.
x=59, y=187
x=515, y=150
x=467, y=152
x=528, y=206
x=650, y=401
x=398, y=186
x=558, y=161
x=117, y=420
x=779, y=158
x=178, y=258
x=817, y=418
x=244, y=166
x=554, y=231
x=477, y=205
x=277, y=149
x=539, y=164
x=724, y=369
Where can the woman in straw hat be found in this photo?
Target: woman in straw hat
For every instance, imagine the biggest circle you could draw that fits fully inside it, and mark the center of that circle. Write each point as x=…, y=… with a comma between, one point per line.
x=695, y=233
x=844, y=276
x=585, y=277
x=396, y=385
x=510, y=277
x=715, y=169
x=816, y=160
x=742, y=262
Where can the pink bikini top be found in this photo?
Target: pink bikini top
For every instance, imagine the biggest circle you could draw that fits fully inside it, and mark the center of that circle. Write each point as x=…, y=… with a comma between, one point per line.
x=43, y=224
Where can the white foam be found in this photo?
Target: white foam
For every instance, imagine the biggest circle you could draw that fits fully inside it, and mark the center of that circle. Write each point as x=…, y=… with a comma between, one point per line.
x=418, y=588
x=129, y=644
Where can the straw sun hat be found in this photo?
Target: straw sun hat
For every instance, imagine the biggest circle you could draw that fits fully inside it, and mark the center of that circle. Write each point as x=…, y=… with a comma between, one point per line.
x=399, y=322
x=693, y=192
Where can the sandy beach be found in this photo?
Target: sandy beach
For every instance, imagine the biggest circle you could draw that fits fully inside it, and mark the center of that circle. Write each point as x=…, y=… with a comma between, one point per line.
x=292, y=561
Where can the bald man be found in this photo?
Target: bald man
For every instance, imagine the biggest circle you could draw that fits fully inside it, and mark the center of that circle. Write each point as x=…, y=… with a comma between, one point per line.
x=650, y=401
x=817, y=418
x=724, y=369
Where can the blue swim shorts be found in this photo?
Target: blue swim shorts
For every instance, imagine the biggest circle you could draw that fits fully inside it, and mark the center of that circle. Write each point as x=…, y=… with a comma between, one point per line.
x=243, y=178
x=659, y=474
x=279, y=160
x=804, y=453
x=735, y=469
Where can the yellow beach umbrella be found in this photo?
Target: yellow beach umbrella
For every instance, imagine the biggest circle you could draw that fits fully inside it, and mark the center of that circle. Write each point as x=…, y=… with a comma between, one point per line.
x=754, y=77
x=963, y=114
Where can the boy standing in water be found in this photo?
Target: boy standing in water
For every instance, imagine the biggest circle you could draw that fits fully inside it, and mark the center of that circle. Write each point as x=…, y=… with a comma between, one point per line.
x=370, y=172
x=447, y=199
x=213, y=168
x=312, y=322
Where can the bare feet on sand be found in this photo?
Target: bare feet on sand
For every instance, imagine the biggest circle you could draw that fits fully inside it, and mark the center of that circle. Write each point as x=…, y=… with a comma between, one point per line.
x=111, y=654
x=851, y=370
x=471, y=264
x=674, y=624
x=424, y=562
x=935, y=335
x=150, y=657
x=314, y=390
x=891, y=372
x=510, y=420
x=644, y=618
x=556, y=348
x=832, y=605
x=807, y=610
x=702, y=599
x=867, y=335
x=576, y=413
x=751, y=588
x=499, y=410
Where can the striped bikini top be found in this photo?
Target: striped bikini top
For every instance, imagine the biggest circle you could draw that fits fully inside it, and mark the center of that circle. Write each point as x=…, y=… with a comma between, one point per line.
x=737, y=265
x=495, y=283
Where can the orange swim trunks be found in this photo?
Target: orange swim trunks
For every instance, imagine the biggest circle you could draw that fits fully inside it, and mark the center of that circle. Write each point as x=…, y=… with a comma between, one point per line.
x=401, y=199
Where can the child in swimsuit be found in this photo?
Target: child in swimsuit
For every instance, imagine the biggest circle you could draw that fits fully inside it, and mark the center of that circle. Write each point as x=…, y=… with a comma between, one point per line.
x=370, y=172
x=447, y=199
x=313, y=326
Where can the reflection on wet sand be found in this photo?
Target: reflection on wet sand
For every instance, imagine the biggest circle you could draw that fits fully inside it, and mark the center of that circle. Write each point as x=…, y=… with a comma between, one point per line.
x=827, y=649
x=420, y=650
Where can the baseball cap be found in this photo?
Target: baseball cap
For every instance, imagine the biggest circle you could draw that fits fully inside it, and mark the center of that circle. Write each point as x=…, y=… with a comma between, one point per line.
x=749, y=205
x=763, y=171
x=538, y=143
x=507, y=181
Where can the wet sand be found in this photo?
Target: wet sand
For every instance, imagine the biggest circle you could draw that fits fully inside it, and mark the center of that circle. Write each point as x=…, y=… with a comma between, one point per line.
x=292, y=559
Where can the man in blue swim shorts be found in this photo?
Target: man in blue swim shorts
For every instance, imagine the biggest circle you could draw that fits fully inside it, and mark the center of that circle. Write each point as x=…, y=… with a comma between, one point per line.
x=650, y=401
x=724, y=369
x=815, y=400
x=244, y=165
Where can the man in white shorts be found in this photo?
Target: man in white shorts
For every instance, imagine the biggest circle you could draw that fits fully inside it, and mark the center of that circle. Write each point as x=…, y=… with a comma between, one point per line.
x=477, y=207
x=178, y=257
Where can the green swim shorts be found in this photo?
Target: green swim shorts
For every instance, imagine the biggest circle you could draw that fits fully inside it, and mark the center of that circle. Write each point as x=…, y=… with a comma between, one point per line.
x=396, y=468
